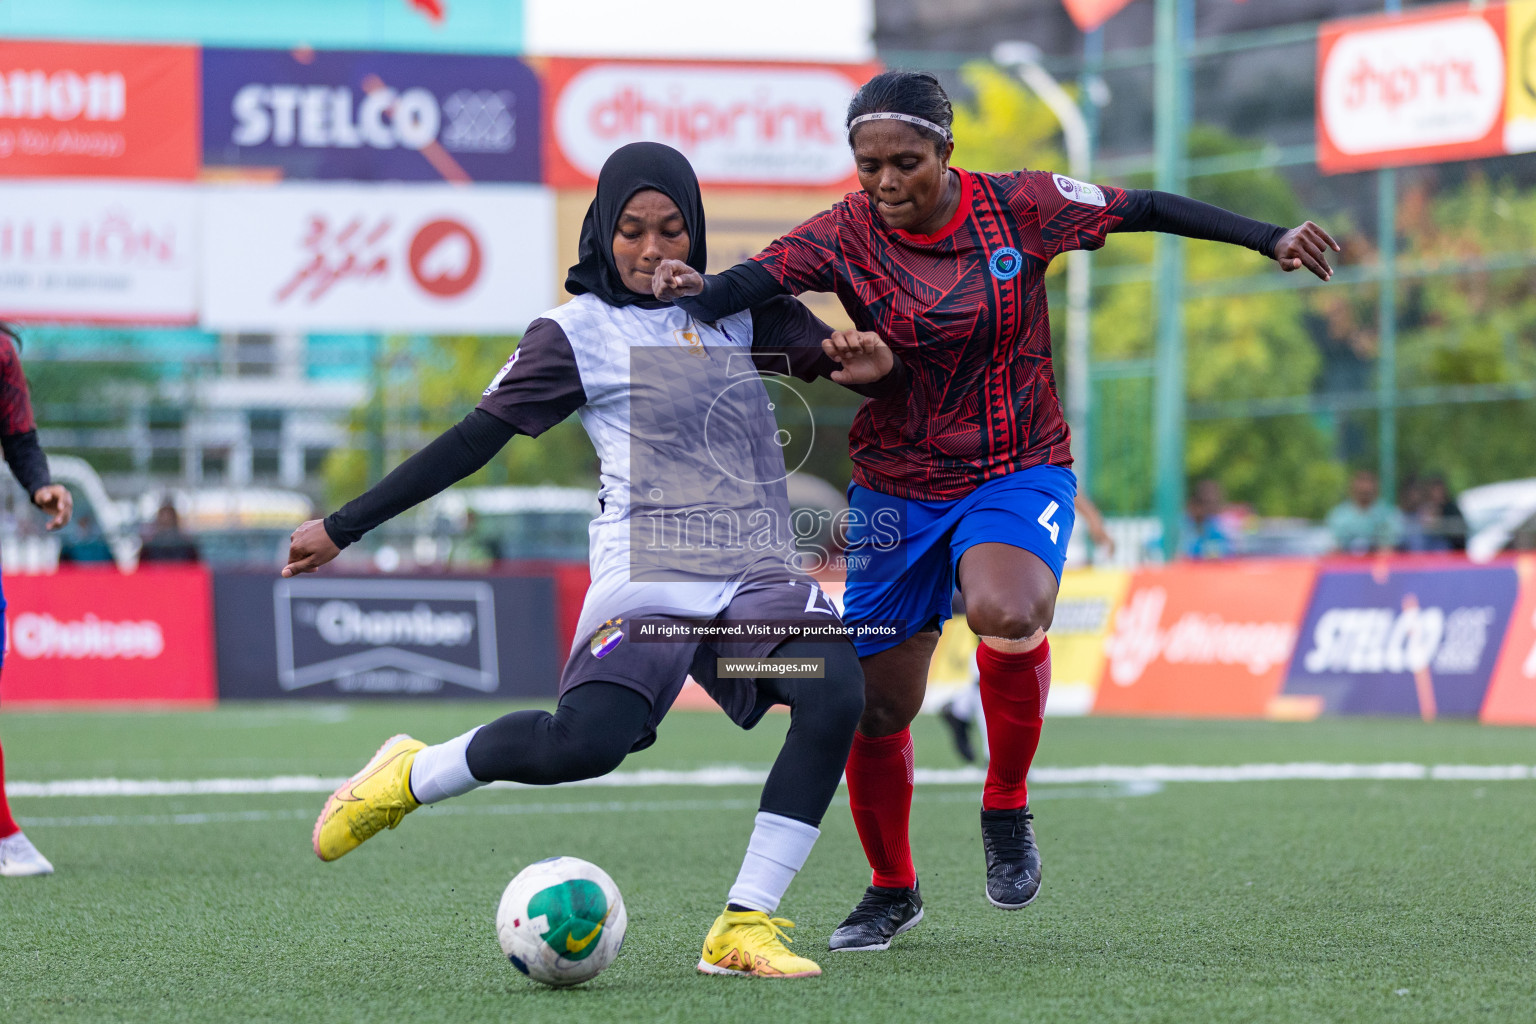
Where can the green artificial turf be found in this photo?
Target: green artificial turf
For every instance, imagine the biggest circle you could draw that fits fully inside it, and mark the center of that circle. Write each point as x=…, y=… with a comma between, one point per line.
x=1263, y=901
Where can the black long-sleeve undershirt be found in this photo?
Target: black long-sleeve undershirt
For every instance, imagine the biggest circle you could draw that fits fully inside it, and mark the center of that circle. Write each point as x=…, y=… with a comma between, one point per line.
x=456, y=453
x=27, y=461
x=747, y=284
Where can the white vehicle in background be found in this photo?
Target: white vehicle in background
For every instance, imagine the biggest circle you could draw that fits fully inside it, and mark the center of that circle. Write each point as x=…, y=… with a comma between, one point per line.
x=1498, y=516
x=26, y=550
x=544, y=522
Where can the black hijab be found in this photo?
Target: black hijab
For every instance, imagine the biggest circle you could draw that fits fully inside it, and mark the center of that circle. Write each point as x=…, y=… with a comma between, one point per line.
x=633, y=168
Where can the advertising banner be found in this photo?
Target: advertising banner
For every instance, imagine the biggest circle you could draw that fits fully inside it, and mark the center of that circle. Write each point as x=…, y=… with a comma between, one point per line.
x=1520, y=102
x=1407, y=641
x=1204, y=639
x=1084, y=610
x=371, y=116
x=756, y=125
x=83, y=635
x=1410, y=89
x=97, y=110
x=98, y=253
x=438, y=637
x=377, y=257
x=1511, y=696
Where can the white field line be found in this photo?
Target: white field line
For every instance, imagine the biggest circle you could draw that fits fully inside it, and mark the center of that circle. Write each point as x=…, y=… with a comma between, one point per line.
x=477, y=810
x=737, y=775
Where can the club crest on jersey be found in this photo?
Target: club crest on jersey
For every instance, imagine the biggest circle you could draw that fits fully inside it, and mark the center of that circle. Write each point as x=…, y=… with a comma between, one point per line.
x=607, y=638
x=689, y=339
x=1078, y=191
x=1006, y=263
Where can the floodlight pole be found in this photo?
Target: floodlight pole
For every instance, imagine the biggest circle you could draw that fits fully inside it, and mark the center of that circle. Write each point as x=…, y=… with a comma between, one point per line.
x=1386, y=314
x=1024, y=58
x=1174, y=31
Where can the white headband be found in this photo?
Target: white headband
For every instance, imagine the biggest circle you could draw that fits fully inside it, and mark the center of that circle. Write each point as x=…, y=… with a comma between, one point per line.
x=891, y=115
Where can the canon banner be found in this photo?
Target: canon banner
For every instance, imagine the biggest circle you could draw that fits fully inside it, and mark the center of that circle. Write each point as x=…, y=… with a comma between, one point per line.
x=371, y=116
x=1408, y=641
x=490, y=637
x=96, y=110
x=1421, y=88
x=102, y=253
x=739, y=124
x=1204, y=639
x=377, y=257
x=83, y=635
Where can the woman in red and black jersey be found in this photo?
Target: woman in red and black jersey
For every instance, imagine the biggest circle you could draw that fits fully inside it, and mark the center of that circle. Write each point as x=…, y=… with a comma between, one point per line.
x=18, y=440
x=972, y=464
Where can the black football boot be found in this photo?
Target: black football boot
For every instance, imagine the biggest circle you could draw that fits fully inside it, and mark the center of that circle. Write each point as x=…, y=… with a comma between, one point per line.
x=1013, y=859
x=880, y=916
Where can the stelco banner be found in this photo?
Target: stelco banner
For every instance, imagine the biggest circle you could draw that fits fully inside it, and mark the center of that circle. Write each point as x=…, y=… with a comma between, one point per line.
x=739, y=124
x=388, y=258
x=1204, y=639
x=385, y=636
x=1449, y=84
x=372, y=116
x=97, y=635
x=1417, y=641
x=96, y=110
x=98, y=253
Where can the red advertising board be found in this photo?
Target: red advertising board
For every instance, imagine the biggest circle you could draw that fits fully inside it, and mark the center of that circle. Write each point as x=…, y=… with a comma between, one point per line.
x=1207, y=639
x=1409, y=89
x=739, y=124
x=87, y=635
x=98, y=110
x=1511, y=698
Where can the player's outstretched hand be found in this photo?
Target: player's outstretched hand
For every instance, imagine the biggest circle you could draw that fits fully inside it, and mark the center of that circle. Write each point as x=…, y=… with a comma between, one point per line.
x=673, y=279
x=309, y=548
x=1306, y=246
x=864, y=355
x=55, y=500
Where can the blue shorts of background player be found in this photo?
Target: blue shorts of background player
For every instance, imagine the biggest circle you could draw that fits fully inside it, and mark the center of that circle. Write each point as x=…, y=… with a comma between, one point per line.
x=902, y=553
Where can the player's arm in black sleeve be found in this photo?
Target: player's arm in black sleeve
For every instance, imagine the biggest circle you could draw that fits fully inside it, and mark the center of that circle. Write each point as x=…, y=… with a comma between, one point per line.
x=539, y=387
x=744, y=286
x=784, y=330
x=1148, y=210
x=26, y=459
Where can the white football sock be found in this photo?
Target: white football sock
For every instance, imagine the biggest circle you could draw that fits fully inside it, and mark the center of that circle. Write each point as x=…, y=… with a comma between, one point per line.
x=776, y=852
x=442, y=771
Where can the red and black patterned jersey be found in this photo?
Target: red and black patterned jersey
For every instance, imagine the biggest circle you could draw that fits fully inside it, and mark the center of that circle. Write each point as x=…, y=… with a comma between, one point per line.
x=15, y=401
x=965, y=308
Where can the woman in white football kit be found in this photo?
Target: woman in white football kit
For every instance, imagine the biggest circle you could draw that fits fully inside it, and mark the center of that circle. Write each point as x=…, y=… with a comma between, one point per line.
x=694, y=529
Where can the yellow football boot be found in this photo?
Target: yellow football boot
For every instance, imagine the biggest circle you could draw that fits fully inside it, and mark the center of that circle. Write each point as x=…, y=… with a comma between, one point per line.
x=750, y=944
x=376, y=798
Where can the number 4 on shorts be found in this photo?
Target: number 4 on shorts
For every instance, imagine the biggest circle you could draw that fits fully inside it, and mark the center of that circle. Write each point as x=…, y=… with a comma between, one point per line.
x=1045, y=521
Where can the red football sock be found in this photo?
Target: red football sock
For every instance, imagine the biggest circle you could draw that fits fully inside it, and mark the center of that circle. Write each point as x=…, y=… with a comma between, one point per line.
x=1013, y=692
x=880, y=795
x=8, y=826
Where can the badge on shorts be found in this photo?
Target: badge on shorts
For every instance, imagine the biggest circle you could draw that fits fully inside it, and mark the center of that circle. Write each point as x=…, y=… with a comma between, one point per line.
x=1078, y=191
x=1006, y=263
x=607, y=638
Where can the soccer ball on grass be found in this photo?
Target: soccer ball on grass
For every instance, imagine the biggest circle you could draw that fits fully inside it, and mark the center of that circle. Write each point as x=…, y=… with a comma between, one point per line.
x=561, y=921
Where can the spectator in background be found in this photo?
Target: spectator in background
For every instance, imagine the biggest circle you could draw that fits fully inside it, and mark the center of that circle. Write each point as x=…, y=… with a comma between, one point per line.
x=1365, y=524
x=165, y=541
x=470, y=550
x=86, y=544
x=1433, y=521
x=1205, y=535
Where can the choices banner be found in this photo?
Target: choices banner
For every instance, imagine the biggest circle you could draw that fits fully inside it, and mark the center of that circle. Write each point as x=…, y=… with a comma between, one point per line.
x=1402, y=638
x=394, y=636
x=371, y=116
x=98, y=110
x=376, y=257
x=1204, y=639
x=84, y=635
x=739, y=124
